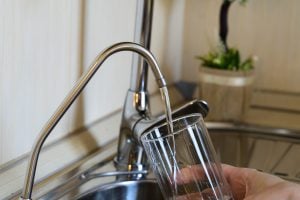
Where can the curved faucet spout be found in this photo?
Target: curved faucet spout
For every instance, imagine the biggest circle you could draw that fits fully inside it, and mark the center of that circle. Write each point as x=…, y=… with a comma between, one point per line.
x=73, y=94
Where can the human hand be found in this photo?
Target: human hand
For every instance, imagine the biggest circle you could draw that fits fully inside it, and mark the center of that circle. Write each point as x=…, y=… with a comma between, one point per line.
x=250, y=184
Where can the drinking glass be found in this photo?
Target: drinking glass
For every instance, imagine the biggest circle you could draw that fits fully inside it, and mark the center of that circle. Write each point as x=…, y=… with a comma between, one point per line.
x=184, y=162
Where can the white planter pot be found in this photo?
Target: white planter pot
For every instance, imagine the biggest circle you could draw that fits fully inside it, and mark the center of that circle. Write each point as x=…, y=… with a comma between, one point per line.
x=227, y=93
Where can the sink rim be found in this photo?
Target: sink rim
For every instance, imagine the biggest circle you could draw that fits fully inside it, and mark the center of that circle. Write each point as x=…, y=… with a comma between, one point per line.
x=114, y=184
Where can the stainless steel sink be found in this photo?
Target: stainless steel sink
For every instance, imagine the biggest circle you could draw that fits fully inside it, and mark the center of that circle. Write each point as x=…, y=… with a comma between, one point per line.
x=127, y=190
x=274, y=151
x=270, y=150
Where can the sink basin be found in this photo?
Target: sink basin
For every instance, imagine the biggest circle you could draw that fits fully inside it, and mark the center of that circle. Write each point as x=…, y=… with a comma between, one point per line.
x=127, y=190
x=274, y=151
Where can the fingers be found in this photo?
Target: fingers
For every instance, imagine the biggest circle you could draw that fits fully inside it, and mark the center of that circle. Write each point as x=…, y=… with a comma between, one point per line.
x=236, y=180
x=190, y=174
x=189, y=196
x=245, y=182
x=202, y=179
x=282, y=190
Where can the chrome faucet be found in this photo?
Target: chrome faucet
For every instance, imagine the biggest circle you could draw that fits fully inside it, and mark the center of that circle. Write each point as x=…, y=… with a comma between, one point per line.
x=130, y=155
x=136, y=117
x=73, y=94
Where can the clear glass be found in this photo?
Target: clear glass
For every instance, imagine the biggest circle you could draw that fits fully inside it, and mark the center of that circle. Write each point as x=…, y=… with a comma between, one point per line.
x=192, y=171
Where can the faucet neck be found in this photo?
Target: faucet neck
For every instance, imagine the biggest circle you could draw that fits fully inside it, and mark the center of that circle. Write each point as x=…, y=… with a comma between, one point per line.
x=71, y=97
x=142, y=36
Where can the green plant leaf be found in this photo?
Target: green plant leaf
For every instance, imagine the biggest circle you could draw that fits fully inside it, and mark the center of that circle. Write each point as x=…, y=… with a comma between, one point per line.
x=227, y=60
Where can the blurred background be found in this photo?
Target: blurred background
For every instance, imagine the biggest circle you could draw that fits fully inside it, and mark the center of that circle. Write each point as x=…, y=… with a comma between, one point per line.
x=46, y=45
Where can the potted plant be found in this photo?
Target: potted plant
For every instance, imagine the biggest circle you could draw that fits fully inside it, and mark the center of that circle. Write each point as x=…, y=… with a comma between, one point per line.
x=225, y=80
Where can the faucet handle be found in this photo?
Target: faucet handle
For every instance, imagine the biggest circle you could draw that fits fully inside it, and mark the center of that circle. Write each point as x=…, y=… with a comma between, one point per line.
x=195, y=106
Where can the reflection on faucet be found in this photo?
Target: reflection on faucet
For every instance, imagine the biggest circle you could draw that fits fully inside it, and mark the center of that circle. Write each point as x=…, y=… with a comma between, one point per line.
x=76, y=90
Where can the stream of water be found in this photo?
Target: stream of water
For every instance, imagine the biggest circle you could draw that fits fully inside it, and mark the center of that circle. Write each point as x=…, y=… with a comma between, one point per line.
x=166, y=99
